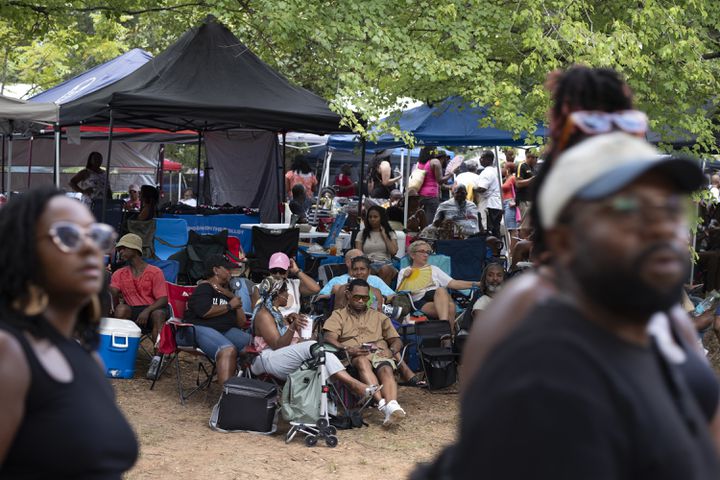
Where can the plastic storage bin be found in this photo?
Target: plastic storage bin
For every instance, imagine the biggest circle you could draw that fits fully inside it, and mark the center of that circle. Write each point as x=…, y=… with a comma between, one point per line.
x=119, y=342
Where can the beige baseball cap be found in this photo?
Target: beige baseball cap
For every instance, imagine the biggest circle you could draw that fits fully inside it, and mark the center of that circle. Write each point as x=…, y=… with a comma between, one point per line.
x=604, y=164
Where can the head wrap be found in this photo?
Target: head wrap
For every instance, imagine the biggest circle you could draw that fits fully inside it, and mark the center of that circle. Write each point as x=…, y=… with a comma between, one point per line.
x=269, y=288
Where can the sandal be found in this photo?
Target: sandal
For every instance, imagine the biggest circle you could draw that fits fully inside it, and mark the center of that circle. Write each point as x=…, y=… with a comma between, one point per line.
x=414, y=382
x=369, y=392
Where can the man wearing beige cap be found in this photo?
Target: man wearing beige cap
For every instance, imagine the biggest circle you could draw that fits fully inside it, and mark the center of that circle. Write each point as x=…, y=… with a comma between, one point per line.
x=140, y=290
x=580, y=389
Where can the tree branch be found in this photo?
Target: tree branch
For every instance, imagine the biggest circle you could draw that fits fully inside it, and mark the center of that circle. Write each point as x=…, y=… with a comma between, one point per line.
x=47, y=10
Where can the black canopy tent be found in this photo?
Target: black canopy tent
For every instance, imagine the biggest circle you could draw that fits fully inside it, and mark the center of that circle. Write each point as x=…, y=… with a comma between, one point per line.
x=206, y=81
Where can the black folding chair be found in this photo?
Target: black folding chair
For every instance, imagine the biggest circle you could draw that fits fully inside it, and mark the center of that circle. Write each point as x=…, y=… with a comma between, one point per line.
x=438, y=357
x=267, y=241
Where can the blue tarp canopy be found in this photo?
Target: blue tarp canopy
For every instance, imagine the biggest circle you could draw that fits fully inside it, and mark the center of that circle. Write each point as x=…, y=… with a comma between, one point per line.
x=453, y=121
x=95, y=78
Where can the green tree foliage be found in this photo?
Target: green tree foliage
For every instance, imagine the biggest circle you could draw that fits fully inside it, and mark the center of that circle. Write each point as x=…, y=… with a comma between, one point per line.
x=367, y=56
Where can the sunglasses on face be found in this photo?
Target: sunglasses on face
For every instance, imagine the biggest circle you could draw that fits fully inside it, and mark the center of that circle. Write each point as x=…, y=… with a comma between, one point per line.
x=594, y=123
x=68, y=237
x=276, y=271
x=361, y=298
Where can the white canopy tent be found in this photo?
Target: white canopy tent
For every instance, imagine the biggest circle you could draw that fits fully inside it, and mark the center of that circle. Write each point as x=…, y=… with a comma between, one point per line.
x=18, y=117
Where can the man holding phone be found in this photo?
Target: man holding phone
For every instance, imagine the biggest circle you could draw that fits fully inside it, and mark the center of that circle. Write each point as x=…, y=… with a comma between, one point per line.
x=371, y=342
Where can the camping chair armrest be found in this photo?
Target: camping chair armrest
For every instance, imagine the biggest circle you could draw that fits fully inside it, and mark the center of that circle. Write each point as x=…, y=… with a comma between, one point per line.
x=178, y=325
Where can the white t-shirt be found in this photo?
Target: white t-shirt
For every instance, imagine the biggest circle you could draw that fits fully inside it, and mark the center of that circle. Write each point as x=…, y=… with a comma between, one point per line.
x=439, y=279
x=469, y=179
x=482, y=303
x=489, y=181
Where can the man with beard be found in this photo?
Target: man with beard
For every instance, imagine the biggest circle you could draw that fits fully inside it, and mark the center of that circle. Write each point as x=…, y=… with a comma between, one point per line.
x=491, y=280
x=580, y=390
x=458, y=210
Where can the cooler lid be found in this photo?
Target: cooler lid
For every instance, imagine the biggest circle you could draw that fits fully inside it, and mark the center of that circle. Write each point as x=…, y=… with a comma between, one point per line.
x=118, y=326
x=250, y=387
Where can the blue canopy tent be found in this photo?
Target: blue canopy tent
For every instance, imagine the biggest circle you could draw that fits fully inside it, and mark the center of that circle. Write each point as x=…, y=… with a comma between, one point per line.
x=453, y=121
x=95, y=78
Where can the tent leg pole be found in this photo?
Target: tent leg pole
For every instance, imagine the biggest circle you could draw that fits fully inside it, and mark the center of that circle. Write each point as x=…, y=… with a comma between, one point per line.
x=361, y=183
x=197, y=181
x=30, y=148
x=283, y=197
x=159, y=171
x=9, y=163
x=107, y=169
x=3, y=164
x=56, y=169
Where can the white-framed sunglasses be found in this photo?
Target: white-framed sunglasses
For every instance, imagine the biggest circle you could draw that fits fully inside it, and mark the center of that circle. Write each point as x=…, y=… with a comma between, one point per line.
x=68, y=237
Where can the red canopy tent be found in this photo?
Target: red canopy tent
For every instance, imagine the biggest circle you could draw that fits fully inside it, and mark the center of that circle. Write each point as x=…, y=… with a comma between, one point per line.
x=171, y=166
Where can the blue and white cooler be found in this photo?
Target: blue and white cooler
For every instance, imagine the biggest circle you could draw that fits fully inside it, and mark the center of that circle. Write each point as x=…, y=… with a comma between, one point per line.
x=119, y=342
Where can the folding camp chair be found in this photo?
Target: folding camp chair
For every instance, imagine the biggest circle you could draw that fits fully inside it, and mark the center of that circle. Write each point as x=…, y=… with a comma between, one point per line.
x=330, y=271
x=178, y=296
x=438, y=357
x=467, y=257
x=171, y=236
x=266, y=242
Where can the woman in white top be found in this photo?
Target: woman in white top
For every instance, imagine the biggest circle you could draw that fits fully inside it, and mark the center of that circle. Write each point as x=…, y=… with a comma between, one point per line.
x=428, y=284
x=378, y=242
x=282, y=351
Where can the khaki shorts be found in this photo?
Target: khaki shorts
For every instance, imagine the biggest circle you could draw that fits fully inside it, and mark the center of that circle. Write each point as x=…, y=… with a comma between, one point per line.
x=378, y=360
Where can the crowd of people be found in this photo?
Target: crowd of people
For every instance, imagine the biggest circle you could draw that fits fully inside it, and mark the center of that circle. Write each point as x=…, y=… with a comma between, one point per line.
x=581, y=339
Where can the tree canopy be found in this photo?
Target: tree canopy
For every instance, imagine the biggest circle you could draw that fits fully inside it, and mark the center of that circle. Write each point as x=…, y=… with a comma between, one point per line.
x=367, y=56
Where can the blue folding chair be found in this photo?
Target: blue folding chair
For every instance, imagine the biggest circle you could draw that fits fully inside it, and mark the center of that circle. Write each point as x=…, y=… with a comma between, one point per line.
x=170, y=268
x=171, y=236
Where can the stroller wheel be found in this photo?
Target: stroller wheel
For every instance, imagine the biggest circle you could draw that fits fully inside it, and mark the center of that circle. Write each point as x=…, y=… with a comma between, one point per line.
x=311, y=440
x=322, y=423
x=331, y=430
x=331, y=441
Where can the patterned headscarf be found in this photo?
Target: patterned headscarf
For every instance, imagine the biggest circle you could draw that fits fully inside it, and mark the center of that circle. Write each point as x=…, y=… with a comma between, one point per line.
x=269, y=289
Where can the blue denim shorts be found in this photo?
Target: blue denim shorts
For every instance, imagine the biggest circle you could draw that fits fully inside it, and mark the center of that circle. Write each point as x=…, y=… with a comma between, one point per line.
x=212, y=341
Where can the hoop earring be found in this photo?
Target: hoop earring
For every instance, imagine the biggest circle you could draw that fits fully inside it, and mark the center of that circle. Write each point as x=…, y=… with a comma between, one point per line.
x=34, y=303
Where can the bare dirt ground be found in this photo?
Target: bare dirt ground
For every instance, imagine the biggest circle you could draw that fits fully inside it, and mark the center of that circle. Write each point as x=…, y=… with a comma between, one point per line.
x=176, y=442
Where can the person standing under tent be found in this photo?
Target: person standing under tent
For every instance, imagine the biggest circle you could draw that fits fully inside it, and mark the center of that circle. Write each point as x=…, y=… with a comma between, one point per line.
x=90, y=181
x=429, y=191
x=489, y=188
x=301, y=173
x=344, y=185
x=380, y=179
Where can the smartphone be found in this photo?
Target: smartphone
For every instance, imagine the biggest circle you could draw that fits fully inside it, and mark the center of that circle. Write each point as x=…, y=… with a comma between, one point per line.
x=370, y=347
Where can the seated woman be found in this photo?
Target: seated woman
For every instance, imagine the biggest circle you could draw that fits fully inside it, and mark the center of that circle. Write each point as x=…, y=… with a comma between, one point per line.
x=149, y=199
x=218, y=318
x=378, y=242
x=281, y=349
x=428, y=284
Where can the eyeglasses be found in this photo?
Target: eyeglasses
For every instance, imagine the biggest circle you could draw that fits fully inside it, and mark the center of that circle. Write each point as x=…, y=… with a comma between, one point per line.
x=361, y=298
x=635, y=211
x=68, y=236
x=424, y=252
x=278, y=271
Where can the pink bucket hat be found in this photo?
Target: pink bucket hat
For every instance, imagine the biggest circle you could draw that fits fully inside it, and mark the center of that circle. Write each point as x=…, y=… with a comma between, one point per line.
x=279, y=260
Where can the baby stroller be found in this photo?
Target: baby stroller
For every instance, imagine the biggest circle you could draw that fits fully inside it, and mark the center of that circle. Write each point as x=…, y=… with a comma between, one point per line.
x=305, y=400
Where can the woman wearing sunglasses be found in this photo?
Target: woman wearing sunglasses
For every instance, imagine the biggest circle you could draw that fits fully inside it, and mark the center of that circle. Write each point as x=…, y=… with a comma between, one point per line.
x=58, y=416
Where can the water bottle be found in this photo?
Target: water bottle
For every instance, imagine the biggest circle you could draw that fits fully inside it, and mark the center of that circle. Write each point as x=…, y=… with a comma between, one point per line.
x=706, y=304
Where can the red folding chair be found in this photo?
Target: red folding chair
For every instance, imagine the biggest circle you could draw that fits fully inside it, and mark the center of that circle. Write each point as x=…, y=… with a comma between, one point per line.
x=178, y=296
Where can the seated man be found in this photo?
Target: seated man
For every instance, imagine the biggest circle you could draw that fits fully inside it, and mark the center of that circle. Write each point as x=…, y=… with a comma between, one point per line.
x=428, y=284
x=280, y=265
x=140, y=290
x=133, y=202
x=342, y=280
x=459, y=211
x=491, y=281
x=371, y=342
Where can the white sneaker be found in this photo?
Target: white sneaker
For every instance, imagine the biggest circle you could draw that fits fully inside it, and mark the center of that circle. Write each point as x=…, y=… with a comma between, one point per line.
x=394, y=413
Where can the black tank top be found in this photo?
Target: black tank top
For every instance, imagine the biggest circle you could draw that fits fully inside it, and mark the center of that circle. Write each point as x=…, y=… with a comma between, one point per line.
x=69, y=430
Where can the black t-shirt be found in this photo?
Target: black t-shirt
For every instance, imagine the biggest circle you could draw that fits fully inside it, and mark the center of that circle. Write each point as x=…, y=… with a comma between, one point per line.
x=202, y=299
x=564, y=399
x=522, y=194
